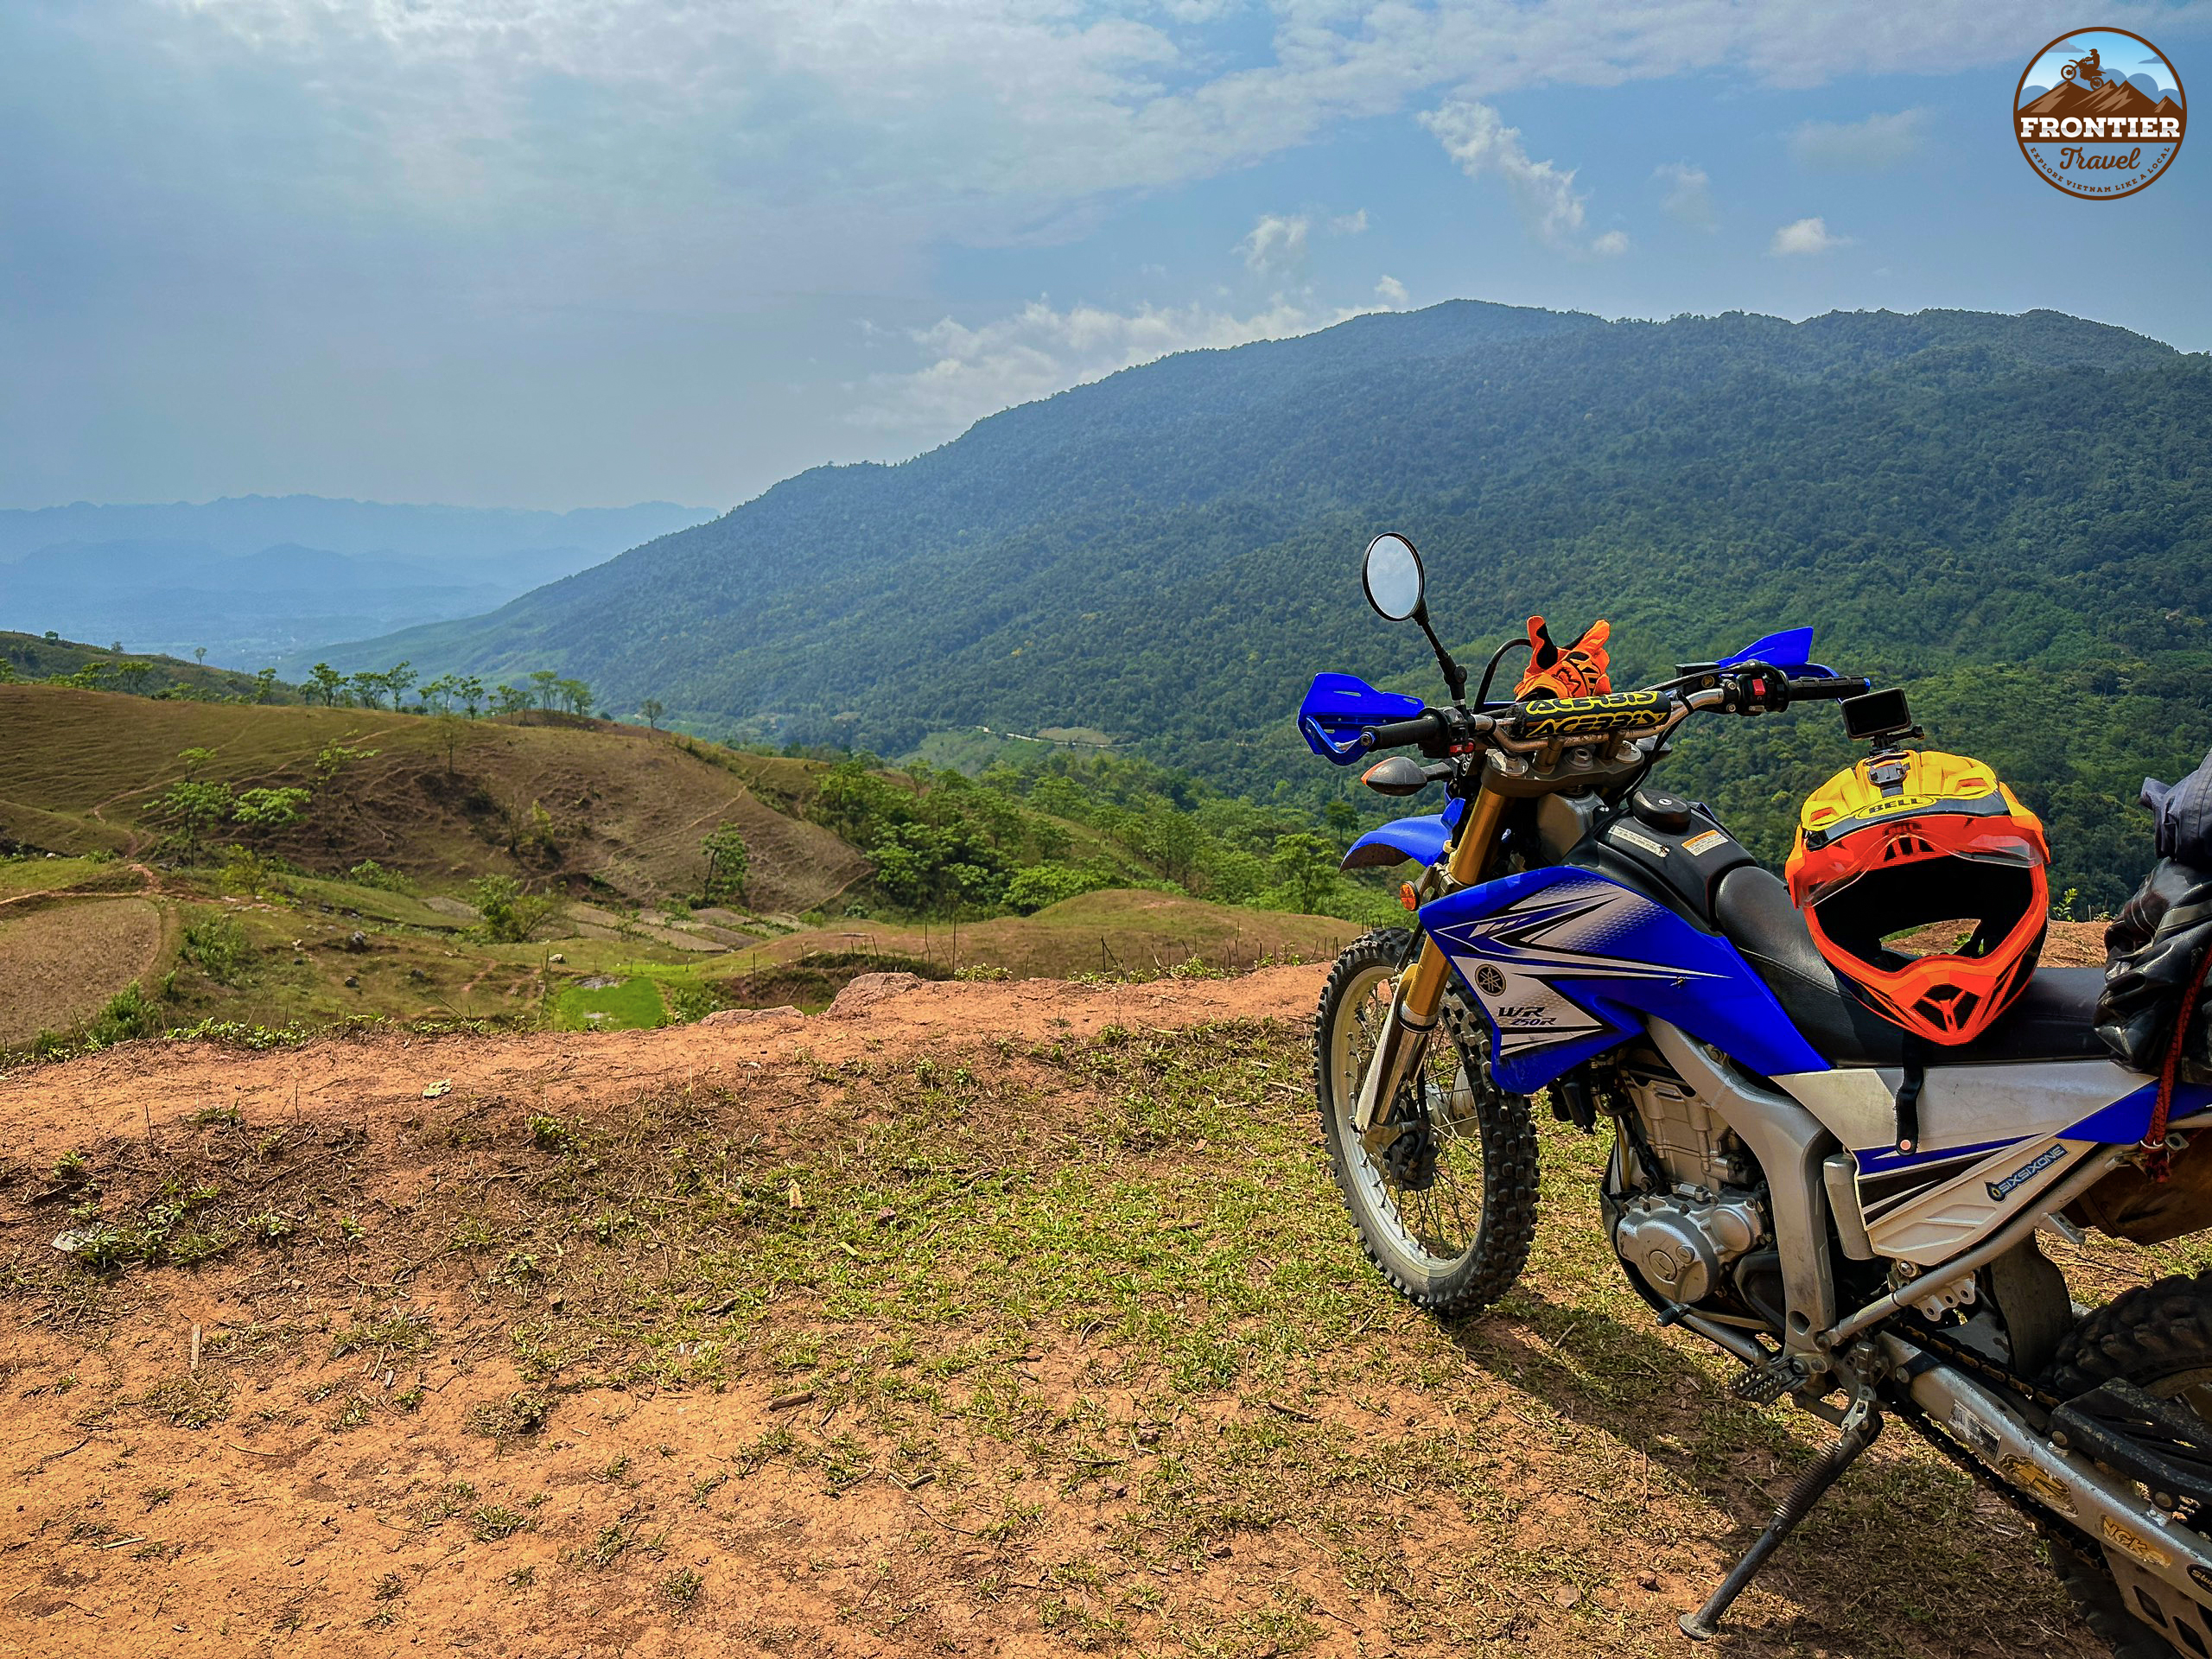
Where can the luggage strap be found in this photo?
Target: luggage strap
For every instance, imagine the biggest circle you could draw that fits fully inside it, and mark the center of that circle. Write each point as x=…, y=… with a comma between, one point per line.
x=2155, y=1156
x=1908, y=1099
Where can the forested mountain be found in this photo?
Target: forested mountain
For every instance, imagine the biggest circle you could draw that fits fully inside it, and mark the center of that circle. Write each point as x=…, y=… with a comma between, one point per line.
x=2012, y=516
x=250, y=577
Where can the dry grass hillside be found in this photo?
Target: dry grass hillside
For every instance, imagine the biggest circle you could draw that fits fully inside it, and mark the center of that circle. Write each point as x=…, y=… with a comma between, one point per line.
x=622, y=808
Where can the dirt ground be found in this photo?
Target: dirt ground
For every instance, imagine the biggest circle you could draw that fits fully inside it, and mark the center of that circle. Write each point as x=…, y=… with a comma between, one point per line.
x=69, y=955
x=963, y=1319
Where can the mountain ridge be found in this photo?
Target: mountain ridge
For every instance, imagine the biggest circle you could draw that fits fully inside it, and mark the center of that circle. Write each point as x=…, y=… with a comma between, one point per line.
x=1168, y=554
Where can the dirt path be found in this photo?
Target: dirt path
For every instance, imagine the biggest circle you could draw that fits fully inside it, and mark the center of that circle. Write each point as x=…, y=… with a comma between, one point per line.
x=46, y=1110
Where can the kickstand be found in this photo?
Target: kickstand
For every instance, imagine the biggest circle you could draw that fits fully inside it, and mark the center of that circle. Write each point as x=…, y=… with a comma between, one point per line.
x=1861, y=1426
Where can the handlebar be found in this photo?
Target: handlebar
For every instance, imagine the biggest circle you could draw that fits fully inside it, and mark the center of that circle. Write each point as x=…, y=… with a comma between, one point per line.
x=1751, y=689
x=1423, y=730
x=1832, y=690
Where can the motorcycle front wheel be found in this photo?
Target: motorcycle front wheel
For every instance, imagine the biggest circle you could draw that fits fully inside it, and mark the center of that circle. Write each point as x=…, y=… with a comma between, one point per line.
x=1447, y=1208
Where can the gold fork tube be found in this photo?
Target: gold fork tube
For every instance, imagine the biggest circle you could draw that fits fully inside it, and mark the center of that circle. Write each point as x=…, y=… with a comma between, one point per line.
x=1420, y=987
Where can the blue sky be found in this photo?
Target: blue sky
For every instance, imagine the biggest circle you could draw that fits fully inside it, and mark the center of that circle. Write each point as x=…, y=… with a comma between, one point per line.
x=564, y=252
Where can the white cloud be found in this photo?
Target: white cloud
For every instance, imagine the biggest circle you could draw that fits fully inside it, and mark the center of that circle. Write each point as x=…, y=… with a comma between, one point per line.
x=975, y=120
x=1475, y=138
x=1806, y=236
x=1349, y=224
x=1037, y=352
x=1689, y=195
x=1276, y=244
x=1872, y=145
x=1392, y=293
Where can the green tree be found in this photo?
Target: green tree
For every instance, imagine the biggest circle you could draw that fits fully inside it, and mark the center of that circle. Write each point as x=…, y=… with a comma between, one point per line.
x=575, y=696
x=265, y=684
x=334, y=757
x=368, y=688
x=270, y=809
x=1306, y=865
x=510, y=915
x=326, y=682
x=545, y=687
x=470, y=690
x=132, y=677
x=727, y=863
x=650, y=711
x=450, y=728
x=510, y=700
x=397, y=679
x=194, y=807
x=438, y=694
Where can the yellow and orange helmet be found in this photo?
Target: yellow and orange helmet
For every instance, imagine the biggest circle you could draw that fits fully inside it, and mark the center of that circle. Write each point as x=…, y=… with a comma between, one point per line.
x=1901, y=840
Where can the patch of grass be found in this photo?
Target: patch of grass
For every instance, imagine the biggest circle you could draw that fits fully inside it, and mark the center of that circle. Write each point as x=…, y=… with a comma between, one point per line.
x=496, y=1521
x=681, y=1587
x=614, y=1539
x=192, y=1400
x=400, y=1331
x=515, y=1417
x=632, y=1004
x=549, y=1134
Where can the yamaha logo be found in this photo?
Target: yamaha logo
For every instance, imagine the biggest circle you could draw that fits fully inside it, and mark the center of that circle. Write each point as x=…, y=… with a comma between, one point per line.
x=1489, y=980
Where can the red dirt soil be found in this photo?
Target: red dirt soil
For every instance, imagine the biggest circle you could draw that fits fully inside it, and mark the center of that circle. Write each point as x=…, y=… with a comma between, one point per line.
x=271, y=1533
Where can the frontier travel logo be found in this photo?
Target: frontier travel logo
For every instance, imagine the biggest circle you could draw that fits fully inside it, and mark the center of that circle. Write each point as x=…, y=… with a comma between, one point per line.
x=2099, y=113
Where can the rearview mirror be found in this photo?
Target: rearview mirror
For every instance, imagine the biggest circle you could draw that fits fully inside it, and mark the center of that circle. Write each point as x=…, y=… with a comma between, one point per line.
x=1392, y=575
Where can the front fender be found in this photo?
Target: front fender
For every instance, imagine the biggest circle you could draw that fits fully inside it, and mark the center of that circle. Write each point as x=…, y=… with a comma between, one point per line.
x=1421, y=839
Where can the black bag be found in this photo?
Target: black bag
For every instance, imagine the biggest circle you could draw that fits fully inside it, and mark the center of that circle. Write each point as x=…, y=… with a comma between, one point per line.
x=2154, y=950
x=2183, y=812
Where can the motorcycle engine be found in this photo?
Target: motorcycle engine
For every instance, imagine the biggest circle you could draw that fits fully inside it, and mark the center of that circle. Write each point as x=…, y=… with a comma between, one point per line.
x=1682, y=1240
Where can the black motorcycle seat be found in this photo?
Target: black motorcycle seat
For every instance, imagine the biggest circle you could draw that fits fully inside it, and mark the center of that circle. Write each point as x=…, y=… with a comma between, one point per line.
x=2053, y=1019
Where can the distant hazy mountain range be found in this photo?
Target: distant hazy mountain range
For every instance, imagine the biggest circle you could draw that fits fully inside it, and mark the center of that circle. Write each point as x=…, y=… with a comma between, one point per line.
x=256, y=578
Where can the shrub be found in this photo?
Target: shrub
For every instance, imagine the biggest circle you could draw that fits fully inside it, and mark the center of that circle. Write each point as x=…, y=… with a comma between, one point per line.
x=1040, y=885
x=726, y=862
x=370, y=874
x=129, y=1013
x=509, y=914
x=218, y=945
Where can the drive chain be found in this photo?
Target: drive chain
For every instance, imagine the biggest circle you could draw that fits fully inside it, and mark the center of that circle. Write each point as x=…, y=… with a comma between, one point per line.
x=1967, y=1359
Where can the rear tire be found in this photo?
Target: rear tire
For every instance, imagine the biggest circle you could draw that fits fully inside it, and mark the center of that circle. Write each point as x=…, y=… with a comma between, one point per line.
x=1455, y=1244
x=2159, y=1337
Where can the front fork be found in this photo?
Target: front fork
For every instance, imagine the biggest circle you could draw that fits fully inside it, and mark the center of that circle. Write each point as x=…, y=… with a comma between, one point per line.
x=1421, y=989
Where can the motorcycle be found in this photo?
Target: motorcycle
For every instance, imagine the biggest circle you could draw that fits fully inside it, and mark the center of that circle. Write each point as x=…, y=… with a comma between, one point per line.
x=2086, y=70
x=1851, y=1217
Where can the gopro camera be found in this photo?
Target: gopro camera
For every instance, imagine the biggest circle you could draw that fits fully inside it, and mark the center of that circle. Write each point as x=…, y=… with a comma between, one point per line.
x=1876, y=716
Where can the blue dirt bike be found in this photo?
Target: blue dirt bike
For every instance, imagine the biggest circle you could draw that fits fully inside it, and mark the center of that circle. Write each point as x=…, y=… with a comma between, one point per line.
x=1583, y=932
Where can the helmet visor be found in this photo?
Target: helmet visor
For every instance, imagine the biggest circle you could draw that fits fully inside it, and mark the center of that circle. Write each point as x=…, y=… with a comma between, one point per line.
x=1883, y=848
